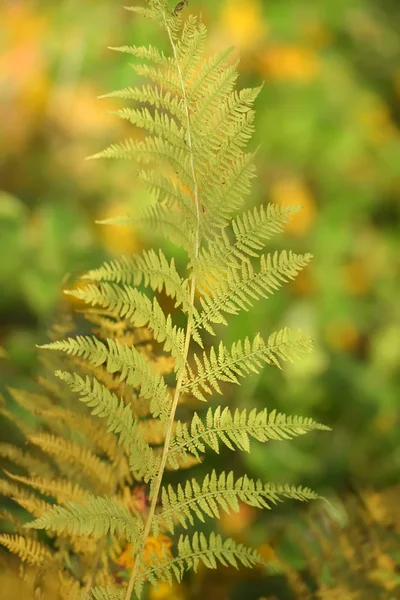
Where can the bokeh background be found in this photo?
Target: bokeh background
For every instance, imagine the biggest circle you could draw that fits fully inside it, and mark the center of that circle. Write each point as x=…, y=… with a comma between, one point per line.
x=328, y=126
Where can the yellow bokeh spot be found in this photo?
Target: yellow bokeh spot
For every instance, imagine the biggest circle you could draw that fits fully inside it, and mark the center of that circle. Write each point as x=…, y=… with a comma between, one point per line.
x=287, y=62
x=118, y=239
x=167, y=592
x=243, y=21
x=378, y=123
x=356, y=279
x=342, y=336
x=294, y=192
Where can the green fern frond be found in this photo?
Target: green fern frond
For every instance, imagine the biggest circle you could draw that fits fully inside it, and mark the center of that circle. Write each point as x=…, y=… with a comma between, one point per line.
x=95, y=517
x=151, y=268
x=153, y=95
x=250, y=230
x=239, y=288
x=221, y=492
x=30, y=551
x=244, y=358
x=192, y=552
x=129, y=362
x=135, y=307
x=148, y=52
x=105, y=593
x=234, y=430
x=32, y=504
x=104, y=404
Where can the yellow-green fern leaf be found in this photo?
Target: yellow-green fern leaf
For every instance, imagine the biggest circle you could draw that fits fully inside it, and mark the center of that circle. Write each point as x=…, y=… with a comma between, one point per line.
x=221, y=492
x=95, y=517
x=28, y=550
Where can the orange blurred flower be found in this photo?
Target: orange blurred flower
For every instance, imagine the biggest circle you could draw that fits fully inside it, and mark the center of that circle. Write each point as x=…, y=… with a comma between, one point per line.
x=158, y=546
x=289, y=62
x=236, y=523
x=293, y=191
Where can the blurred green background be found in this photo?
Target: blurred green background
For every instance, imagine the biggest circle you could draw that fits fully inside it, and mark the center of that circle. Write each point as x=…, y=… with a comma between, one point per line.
x=328, y=121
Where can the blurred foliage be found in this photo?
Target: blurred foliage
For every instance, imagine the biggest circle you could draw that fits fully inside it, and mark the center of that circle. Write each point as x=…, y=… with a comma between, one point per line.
x=328, y=123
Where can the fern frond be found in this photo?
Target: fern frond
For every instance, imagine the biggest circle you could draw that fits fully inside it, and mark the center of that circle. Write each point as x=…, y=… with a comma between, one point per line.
x=23, y=459
x=151, y=268
x=159, y=124
x=105, y=593
x=31, y=503
x=30, y=551
x=129, y=362
x=250, y=230
x=101, y=473
x=135, y=307
x=153, y=95
x=239, y=288
x=105, y=404
x=221, y=492
x=242, y=359
x=234, y=430
x=148, y=52
x=95, y=517
x=192, y=552
x=63, y=490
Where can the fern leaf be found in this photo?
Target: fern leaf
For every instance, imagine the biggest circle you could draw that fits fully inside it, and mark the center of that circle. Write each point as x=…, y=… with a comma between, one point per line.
x=129, y=362
x=105, y=593
x=95, y=517
x=251, y=230
x=32, y=504
x=101, y=473
x=236, y=291
x=152, y=95
x=130, y=304
x=242, y=359
x=234, y=430
x=63, y=490
x=192, y=552
x=148, y=52
x=151, y=268
x=221, y=492
x=23, y=459
x=30, y=551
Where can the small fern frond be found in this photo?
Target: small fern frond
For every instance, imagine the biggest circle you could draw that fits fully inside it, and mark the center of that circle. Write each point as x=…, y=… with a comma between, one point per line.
x=242, y=359
x=105, y=593
x=63, y=490
x=136, y=308
x=30, y=551
x=23, y=459
x=129, y=362
x=192, y=552
x=95, y=517
x=100, y=473
x=151, y=268
x=221, y=492
x=234, y=430
x=104, y=404
x=239, y=288
x=148, y=52
x=250, y=231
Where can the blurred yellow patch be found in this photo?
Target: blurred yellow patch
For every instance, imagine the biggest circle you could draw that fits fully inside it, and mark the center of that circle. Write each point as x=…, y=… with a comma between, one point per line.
x=288, y=62
x=294, y=191
x=356, y=278
x=316, y=34
x=303, y=284
x=153, y=546
x=118, y=239
x=268, y=553
x=378, y=123
x=243, y=21
x=342, y=336
x=236, y=523
x=167, y=592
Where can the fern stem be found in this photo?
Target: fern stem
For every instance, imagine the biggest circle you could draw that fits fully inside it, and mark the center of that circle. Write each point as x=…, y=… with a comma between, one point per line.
x=157, y=485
